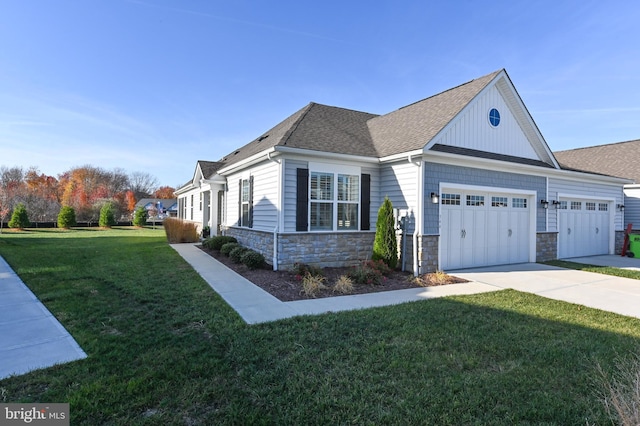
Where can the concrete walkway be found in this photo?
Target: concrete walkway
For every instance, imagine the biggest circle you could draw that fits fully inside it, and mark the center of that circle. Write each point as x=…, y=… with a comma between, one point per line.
x=30, y=337
x=255, y=305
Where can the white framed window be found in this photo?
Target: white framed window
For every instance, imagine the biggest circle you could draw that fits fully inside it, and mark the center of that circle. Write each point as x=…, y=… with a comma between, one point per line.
x=603, y=207
x=590, y=206
x=576, y=205
x=244, y=199
x=450, y=199
x=519, y=203
x=201, y=195
x=475, y=200
x=563, y=205
x=334, y=199
x=191, y=210
x=499, y=202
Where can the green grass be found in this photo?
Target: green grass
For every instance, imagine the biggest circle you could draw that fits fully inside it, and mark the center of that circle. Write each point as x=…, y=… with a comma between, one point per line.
x=607, y=270
x=165, y=349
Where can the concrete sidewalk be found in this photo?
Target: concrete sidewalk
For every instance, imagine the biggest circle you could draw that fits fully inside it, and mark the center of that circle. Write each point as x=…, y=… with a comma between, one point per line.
x=255, y=305
x=30, y=337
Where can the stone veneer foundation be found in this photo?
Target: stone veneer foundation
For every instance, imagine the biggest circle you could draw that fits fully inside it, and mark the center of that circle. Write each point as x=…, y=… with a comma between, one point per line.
x=546, y=246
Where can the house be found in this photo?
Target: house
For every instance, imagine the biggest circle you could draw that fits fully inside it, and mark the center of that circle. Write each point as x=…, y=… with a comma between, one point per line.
x=472, y=180
x=615, y=159
x=159, y=207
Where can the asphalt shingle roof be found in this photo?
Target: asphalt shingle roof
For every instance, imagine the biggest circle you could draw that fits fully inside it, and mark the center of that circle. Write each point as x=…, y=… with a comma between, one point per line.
x=617, y=159
x=412, y=127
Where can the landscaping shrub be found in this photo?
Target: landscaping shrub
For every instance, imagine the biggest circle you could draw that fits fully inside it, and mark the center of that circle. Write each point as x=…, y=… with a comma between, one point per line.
x=252, y=259
x=344, y=285
x=216, y=243
x=140, y=217
x=370, y=272
x=302, y=269
x=312, y=284
x=385, y=245
x=226, y=248
x=107, y=217
x=19, y=218
x=66, y=217
x=236, y=254
x=179, y=231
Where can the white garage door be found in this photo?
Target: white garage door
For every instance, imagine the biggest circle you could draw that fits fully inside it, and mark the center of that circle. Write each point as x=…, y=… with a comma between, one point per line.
x=583, y=228
x=484, y=228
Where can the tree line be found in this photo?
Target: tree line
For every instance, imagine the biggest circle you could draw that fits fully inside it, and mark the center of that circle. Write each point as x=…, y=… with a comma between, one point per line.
x=86, y=189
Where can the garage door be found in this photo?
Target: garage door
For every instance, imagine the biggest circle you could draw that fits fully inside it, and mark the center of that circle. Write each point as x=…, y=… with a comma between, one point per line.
x=583, y=227
x=484, y=228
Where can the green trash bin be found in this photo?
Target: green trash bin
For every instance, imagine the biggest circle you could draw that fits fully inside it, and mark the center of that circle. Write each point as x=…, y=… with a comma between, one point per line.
x=634, y=244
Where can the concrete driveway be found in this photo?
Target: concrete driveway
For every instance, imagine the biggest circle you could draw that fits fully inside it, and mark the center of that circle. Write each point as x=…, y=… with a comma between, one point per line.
x=614, y=294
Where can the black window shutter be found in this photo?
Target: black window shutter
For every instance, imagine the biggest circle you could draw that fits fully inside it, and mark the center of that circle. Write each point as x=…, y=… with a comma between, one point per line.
x=302, y=200
x=365, y=203
x=250, y=202
x=240, y=204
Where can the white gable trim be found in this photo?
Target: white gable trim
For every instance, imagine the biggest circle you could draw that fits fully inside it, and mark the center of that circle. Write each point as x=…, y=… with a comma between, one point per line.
x=518, y=110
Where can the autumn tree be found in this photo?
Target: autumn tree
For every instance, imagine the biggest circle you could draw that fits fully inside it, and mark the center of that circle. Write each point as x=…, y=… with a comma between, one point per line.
x=164, y=193
x=41, y=195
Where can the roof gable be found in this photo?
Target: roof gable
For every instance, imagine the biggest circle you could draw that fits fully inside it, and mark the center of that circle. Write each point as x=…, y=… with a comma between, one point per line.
x=616, y=159
x=410, y=128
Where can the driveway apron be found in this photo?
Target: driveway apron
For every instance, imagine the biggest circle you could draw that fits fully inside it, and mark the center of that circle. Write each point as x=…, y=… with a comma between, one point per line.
x=605, y=292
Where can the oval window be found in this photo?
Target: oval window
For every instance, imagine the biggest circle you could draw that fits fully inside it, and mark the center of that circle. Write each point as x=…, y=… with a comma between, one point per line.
x=494, y=117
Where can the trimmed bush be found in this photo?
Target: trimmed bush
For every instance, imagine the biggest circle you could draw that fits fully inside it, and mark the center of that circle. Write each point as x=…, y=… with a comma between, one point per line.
x=140, y=217
x=107, y=216
x=19, y=218
x=370, y=272
x=226, y=248
x=302, y=269
x=179, y=231
x=236, y=254
x=216, y=243
x=385, y=245
x=252, y=259
x=66, y=217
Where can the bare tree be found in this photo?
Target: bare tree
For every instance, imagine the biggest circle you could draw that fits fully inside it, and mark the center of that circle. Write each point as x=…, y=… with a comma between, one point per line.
x=142, y=184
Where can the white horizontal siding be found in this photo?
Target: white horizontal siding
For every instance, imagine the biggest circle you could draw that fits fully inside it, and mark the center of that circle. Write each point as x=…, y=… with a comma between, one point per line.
x=472, y=129
x=632, y=207
x=265, y=196
x=578, y=189
x=399, y=182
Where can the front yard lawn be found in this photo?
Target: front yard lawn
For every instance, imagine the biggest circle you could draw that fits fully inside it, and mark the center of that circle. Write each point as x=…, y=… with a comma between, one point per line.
x=166, y=349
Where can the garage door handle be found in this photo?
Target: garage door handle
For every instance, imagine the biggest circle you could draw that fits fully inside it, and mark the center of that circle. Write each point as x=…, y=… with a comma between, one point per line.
x=463, y=233
x=510, y=232
x=569, y=229
x=597, y=230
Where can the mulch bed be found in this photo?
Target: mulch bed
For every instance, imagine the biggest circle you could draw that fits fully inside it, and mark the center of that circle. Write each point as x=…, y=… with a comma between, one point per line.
x=286, y=286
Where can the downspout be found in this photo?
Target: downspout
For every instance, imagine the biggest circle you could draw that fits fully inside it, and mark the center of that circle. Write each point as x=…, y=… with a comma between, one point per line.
x=278, y=212
x=419, y=214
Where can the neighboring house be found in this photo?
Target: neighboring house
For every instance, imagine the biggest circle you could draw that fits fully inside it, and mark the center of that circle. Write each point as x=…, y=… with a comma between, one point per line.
x=161, y=207
x=616, y=159
x=473, y=181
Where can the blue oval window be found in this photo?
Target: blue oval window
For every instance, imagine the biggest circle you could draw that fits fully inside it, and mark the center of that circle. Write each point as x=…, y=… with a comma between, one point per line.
x=494, y=117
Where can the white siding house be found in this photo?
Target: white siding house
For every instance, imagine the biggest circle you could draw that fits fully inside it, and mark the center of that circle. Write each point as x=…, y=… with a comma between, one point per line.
x=471, y=178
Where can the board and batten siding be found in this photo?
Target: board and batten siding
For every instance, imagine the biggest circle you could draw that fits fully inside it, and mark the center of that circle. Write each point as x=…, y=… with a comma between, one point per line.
x=472, y=129
x=436, y=173
x=399, y=182
x=578, y=189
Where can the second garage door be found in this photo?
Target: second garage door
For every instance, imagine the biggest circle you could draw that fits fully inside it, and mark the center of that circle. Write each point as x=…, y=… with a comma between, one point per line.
x=583, y=227
x=481, y=228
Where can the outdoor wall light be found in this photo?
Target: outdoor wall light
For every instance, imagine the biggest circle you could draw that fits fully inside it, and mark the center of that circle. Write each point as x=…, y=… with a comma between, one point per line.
x=434, y=198
x=545, y=204
x=556, y=203
x=620, y=207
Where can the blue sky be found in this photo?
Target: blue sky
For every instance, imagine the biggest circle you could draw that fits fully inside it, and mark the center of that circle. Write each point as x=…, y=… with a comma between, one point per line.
x=155, y=85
